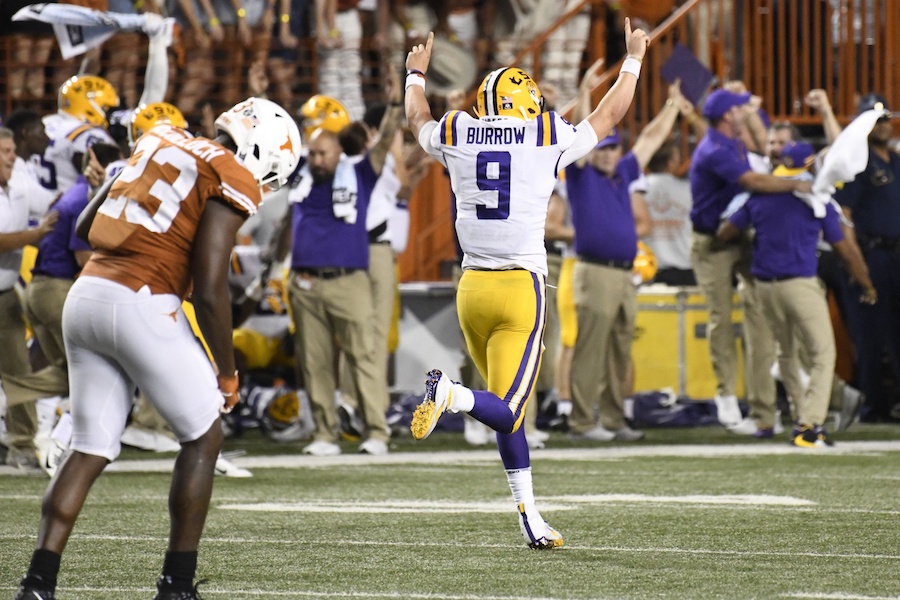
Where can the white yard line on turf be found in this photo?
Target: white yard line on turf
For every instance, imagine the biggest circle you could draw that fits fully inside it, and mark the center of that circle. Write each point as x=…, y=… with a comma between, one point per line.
x=209, y=591
x=490, y=456
x=837, y=596
x=449, y=544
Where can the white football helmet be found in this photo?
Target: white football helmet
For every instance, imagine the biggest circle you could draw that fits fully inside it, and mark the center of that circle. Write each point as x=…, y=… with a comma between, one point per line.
x=267, y=139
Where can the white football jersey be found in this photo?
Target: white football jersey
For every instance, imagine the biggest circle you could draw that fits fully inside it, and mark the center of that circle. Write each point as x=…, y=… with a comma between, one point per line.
x=68, y=137
x=502, y=172
x=25, y=187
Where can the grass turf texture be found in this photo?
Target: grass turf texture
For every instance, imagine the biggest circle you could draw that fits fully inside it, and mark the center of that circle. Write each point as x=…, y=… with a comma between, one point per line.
x=448, y=529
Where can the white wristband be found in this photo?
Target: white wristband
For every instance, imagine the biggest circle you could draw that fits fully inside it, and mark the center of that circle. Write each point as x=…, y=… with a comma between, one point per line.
x=631, y=65
x=415, y=79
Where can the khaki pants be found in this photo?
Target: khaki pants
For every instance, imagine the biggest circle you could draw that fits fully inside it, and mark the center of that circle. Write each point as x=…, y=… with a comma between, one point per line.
x=339, y=309
x=714, y=269
x=21, y=419
x=383, y=279
x=798, y=313
x=44, y=300
x=606, y=304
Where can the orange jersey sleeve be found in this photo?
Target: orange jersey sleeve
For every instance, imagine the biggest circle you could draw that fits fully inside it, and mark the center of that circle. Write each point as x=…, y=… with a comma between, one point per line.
x=144, y=231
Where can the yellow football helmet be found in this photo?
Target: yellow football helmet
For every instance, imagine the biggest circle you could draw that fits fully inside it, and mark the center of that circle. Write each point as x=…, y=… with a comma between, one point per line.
x=147, y=115
x=323, y=112
x=88, y=98
x=644, y=263
x=509, y=92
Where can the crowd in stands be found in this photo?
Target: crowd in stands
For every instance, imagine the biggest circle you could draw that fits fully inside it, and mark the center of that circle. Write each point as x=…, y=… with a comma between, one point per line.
x=326, y=244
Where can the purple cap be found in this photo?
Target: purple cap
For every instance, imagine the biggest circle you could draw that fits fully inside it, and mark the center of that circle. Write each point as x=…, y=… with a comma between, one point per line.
x=796, y=157
x=612, y=139
x=721, y=101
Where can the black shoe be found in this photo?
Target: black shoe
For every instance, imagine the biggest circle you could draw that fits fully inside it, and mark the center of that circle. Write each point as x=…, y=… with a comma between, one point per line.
x=32, y=592
x=351, y=423
x=165, y=590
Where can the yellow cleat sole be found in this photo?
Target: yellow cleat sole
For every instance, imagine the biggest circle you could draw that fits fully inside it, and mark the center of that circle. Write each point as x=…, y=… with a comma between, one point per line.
x=421, y=420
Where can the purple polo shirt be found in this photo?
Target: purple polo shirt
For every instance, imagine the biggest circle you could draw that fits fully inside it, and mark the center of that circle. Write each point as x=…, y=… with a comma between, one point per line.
x=601, y=210
x=717, y=164
x=321, y=240
x=56, y=251
x=787, y=232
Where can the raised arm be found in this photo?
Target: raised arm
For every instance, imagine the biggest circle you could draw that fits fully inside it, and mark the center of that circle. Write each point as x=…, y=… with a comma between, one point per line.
x=418, y=111
x=657, y=130
x=389, y=122
x=156, y=75
x=818, y=100
x=618, y=99
x=585, y=88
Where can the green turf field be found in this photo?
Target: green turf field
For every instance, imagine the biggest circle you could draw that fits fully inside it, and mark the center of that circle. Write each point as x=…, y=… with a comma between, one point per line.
x=695, y=513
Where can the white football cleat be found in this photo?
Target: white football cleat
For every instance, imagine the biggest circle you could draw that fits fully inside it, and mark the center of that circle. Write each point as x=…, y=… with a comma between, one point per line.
x=51, y=455
x=53, y=449
x=322, y=448
x=226, y=468
x=744, y=427
x=728, y=411
x=374, y=447
x=537, y=532
x=438, y=394
x=152, y=441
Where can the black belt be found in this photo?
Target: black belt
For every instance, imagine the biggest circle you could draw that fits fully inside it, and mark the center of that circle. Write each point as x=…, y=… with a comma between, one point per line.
x=702, y=231
x=624, y=265
x=331, y=273
x=878, y=243
x=774, y=279
x=7, y=291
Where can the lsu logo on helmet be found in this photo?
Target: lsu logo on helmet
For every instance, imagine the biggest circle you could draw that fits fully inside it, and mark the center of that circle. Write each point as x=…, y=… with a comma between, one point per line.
x=149, y=115
x=509, y=92
x=323, y=112
x=88, y=98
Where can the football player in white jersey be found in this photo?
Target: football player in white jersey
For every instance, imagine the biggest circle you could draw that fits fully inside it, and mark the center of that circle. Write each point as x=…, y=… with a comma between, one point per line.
x=84, y=101
x=503, y=167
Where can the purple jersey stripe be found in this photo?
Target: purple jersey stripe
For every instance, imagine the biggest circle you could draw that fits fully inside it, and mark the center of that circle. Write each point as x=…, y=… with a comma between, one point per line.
x=455, y=138
x=534, y=345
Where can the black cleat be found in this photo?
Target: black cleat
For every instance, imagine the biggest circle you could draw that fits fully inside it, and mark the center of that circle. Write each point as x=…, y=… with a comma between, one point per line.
x=31, y=591
x=166, y=591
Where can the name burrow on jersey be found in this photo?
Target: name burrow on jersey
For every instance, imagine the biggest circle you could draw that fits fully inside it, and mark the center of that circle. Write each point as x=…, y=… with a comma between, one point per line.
x=495, y=135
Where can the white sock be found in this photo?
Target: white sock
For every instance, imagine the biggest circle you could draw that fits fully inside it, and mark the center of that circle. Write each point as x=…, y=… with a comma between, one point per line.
x=521, y=486
x=463, y=399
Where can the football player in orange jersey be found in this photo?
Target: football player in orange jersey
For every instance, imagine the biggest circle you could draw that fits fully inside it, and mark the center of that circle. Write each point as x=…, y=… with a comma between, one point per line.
x=163, y=228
